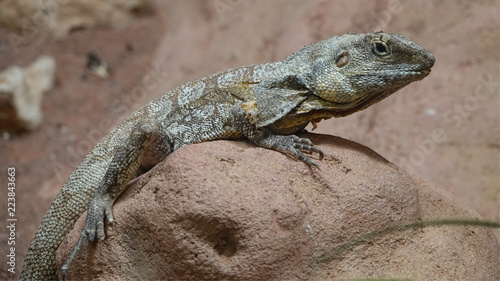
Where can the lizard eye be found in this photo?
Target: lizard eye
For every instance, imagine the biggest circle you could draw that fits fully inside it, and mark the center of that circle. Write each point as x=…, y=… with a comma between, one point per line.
x=342, y=60
x=381, y=49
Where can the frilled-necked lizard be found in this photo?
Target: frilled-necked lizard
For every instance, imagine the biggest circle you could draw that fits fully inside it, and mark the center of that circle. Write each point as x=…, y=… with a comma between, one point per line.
x=266, y=103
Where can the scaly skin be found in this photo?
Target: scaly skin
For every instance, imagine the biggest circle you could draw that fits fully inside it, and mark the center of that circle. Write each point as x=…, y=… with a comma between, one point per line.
x=264, y=103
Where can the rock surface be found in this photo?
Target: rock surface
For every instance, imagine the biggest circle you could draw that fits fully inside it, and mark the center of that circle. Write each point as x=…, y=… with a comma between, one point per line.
x=21, y=93
x=228, y=210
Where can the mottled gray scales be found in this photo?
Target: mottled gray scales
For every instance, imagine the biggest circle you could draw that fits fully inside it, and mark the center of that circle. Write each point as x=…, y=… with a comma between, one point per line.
x=265, y=103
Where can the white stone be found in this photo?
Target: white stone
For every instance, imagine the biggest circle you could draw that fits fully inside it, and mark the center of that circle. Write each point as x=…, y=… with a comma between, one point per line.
x=22, y=90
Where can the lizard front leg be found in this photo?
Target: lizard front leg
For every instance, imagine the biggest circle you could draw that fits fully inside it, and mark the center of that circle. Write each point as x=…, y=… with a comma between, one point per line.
x=123, y=166
x=288, y=144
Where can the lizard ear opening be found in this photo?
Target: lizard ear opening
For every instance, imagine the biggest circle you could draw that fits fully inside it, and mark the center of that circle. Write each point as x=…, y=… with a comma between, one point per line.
x=271, y=104
x=343, y=60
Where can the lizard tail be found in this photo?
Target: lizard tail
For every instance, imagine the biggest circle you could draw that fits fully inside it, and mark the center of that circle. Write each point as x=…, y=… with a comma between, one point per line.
x=73, y=199
x=40, y=262
x=69, y=205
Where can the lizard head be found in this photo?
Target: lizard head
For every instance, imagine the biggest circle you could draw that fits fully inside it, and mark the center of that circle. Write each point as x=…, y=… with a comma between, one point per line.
x=358, y=70
x=336, y=77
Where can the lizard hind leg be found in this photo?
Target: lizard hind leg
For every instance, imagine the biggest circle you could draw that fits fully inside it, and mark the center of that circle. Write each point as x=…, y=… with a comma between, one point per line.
x=98, y=209
x=123, y=166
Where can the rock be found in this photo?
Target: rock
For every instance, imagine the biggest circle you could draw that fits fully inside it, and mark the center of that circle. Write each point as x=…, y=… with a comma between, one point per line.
x=58, y=17
x=227, y=210
x=21, y=93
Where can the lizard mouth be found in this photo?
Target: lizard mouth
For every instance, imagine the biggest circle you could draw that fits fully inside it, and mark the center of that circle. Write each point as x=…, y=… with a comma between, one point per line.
x=425, y=71
x=418, y=72
x=415, y=74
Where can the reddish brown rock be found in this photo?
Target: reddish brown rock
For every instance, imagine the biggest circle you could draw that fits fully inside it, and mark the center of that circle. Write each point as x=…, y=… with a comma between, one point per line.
x=228, y=210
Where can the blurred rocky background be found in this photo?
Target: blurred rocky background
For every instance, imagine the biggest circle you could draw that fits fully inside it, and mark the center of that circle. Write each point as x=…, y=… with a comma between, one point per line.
x=444, y=129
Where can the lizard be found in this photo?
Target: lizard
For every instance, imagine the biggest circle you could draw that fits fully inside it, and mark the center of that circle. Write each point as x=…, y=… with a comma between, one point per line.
x=267, y=104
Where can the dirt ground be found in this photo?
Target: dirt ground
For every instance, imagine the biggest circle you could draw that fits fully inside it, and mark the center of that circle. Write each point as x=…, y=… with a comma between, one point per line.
x=181, y=41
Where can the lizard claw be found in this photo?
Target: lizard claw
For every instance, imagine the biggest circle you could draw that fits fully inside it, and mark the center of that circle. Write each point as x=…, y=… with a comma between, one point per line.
x=64, y=274
x=307, y=145
x=294, y=146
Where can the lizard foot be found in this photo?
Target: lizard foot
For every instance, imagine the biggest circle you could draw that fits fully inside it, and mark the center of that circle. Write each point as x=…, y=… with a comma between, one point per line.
x=98, y=208
x=294, y=146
